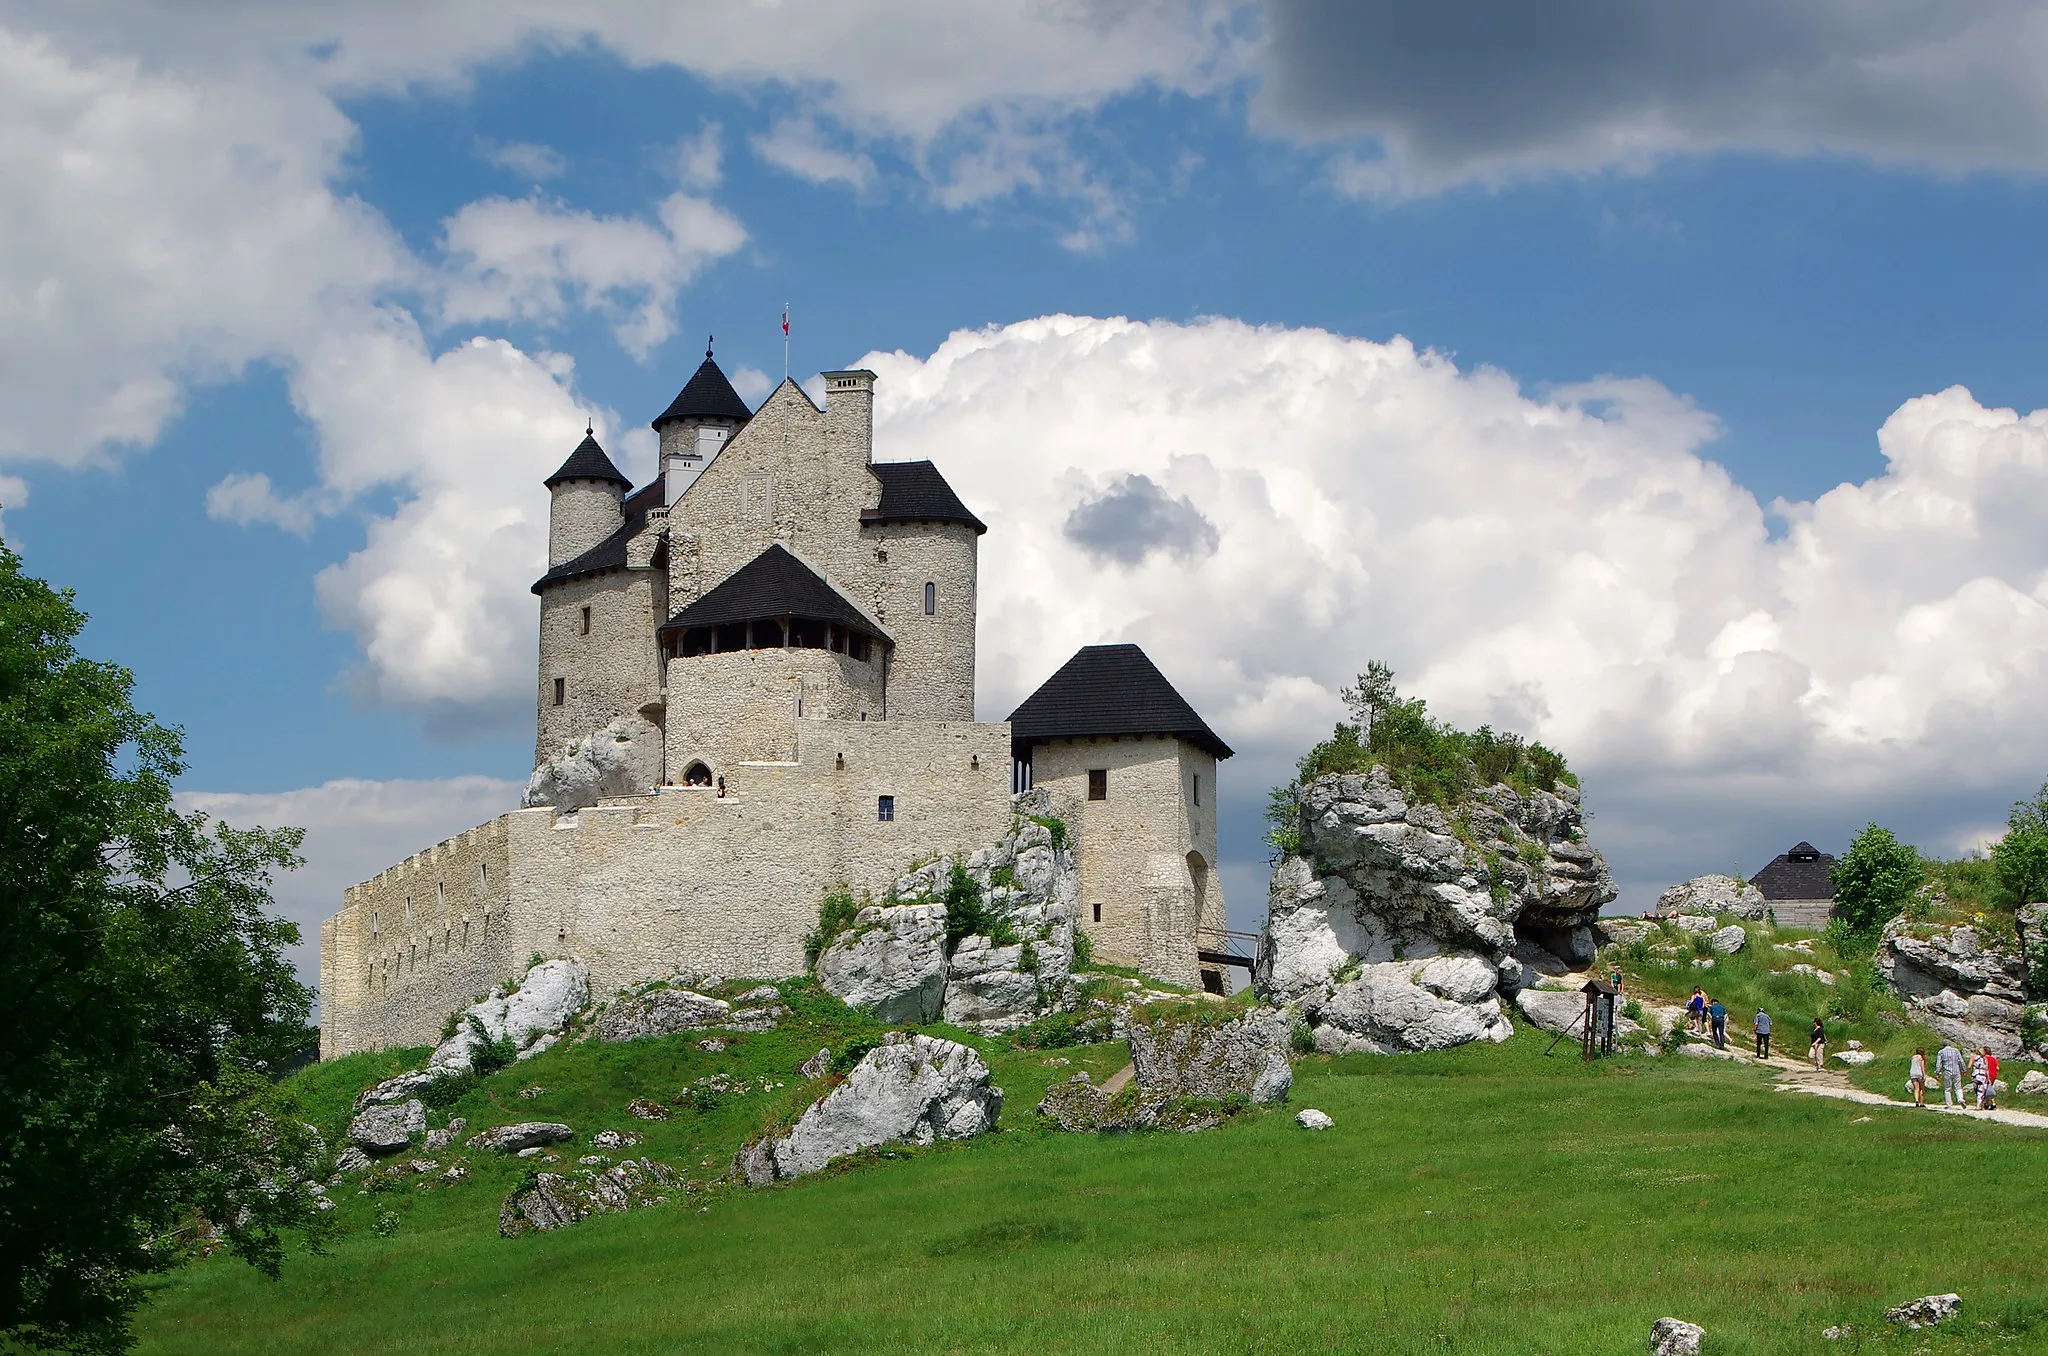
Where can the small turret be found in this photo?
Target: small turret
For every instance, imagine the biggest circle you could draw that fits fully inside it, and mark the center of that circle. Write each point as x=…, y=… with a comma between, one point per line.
x=695, y=426
x=586, y=506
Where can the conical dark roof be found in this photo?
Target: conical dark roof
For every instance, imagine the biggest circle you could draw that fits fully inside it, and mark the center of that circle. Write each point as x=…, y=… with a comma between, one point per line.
x=1109, y=690
x=707, y=395
x=772, y=584
x=1805, y=872
x=588, y=462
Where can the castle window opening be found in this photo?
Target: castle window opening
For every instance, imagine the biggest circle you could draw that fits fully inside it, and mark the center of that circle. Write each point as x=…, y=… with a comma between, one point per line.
x=586, y=621
x=465, y=932
x=408, y=910
x=696, y=774
x=440, y=895
x=1195, y=780
x=561, y=686
x=974, y=763
x=835, y=639
x=483, y=875
x=807, y=634
x=885, y=809
x=373, y=923
x=731, y=636
x=931, y=599
x=1098, y=783
x=1020, y=776
x=1098, y=911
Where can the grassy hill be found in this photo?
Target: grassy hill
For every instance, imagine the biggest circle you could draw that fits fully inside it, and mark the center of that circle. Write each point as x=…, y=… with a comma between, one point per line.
x=1485, y=1200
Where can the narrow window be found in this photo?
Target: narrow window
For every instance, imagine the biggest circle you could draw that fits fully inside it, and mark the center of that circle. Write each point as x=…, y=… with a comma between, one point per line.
x=1098, y=911
x=1197, y=779
x=586, y=621
x=561, y=685
x=440, y=896
x=931, y=599
x=1098, y=783
x=373, y=922
x=483, y=875
x=885, y=808
x=408, y=910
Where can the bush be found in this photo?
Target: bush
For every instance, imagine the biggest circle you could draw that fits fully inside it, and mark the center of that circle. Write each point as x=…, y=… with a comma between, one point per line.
x=1874, y=879
x=1302, y=1038
x=968, y=914
x=835, y=915
x=488, y=1056
x=1084, y=950
x=1055, y=826
x=443, y=1093
x=852, y=1053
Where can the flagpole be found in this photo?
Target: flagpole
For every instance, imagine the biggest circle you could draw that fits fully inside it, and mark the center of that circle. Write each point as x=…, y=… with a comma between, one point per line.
x=785, y=341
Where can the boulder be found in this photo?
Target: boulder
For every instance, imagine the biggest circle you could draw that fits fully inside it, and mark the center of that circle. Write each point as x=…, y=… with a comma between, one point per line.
x=1714, y=894
x=1924, y=1312
x=614, y=1139
x=1176, y=1056
x=1308, y=1118
x=2035, y=1084
x=816, y=1065
x=540, y=1006
x=555, y=1201
x=387, y=1128
x=1694, y=922
x=1399, y=927
x=1729, y=940
x=1855, y=1058
x=400, y=1088
x=508, y=1139
x=917, y=1090
x=598, y=765
x=1812, y=972
x=438, y=1140
x=1624, y=931
x=892, y=963
x=1951, y=979
x=661, y=1011
x=1676, y=1337
x=351, y=1159
x=759, y=1017
x=1562, y=1010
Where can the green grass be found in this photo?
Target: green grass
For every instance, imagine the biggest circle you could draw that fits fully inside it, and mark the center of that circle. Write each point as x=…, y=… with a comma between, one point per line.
x=1486, y=1200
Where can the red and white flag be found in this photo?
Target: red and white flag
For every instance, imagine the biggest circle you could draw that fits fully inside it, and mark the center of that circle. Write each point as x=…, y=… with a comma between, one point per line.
x=785, y=322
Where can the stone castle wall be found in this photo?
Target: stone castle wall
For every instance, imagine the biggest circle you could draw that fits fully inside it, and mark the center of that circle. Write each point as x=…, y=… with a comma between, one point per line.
x=612, y=671
x=746, y=705
x=1147, y=851
x=581, y=513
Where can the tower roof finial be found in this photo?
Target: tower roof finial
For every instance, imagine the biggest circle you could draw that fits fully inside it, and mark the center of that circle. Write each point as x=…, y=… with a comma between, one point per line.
x=707, y=345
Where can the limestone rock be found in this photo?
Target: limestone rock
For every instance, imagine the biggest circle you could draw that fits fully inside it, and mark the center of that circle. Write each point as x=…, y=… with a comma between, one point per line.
x=1714, y=894
x=1729, y=940
x=1624, y=931
x=542, y=1004
x=507, y=1139
x=659, y=1012
x=918, y=1090
x=1693, y=922
x=598, y=765
x=642, y=1109
x=1971, y=993
x=2035, y=1084
x=1560, y=1010
x=759, y=1017
x=614, y=1139
x=892, y=963
x=1701, y=1050
x=1676, y=1337
x=1308, y=1118
x=1855, y=1058
x=1398, y=928
x=1178, y=1057
x=351, y=1159
x=1924, y=1312
x=1812, y=972
x=555, y=1201
x=387, y=1128
x=816, y=1065
x=400, y=1088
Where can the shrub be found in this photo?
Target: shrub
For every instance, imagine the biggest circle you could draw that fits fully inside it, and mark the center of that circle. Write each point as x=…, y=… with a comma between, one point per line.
x=836, y=912
x=1084, y=950
x=488, y=1056
x=968, y=914
x=1302, y=1038
x=443, y=1093
x=2020, y=859
x=1055, y=826
x=852, y=1053
x=1874, y=879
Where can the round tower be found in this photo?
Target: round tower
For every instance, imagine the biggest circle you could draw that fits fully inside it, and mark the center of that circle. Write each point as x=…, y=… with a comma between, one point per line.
x=587, y=493
x=695, y=426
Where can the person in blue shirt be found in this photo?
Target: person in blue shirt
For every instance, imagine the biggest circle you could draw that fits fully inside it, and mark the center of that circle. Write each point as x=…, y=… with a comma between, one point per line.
x=1763, y=1034
x=1719, y=1013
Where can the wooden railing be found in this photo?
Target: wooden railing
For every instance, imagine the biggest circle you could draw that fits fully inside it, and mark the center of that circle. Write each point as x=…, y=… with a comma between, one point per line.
x=1220, y=946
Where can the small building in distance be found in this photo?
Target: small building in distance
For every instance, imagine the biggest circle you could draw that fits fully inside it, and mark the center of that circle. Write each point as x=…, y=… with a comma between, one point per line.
x=1797, y=887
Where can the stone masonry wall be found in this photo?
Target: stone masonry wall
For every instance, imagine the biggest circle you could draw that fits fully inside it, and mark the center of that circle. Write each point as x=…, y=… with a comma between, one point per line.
x=1138, y=887
x=931, y=671
x=610, y=672
x=581, y=513
x=741, y=706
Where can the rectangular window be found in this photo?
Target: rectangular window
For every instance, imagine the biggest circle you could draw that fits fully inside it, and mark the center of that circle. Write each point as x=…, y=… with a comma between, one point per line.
x=1098, y=911
x=1098, y=783
x=586, y=621
x=1197, y=780
x=885, y=808
x=931, y=599
x=560, y=686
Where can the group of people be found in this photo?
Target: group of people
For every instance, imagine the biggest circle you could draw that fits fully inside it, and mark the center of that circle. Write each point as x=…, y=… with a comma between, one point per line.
x=1949, y=1066
x=1708, y=1016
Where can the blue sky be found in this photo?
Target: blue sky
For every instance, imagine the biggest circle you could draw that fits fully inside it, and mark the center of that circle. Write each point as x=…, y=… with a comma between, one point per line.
x=252, y=248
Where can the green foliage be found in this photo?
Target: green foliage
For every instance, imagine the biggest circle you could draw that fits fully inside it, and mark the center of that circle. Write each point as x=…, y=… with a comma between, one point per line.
x=487, y=1056
x=1283, y=813
x=968, y=913
x=144, y=996
x=2020, y=859
x=836, y=912
x=1301, y=1038
x=443, y=1093
x=1027, y=960
x=1003, y=877
x=1084, y=950
x=1428, y=759
x=1874, y=879
x=1055, y=826
x=851, y=1053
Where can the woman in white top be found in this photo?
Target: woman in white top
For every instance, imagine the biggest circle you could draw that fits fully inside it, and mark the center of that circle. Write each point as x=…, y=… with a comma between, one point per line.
x=1916, y=1077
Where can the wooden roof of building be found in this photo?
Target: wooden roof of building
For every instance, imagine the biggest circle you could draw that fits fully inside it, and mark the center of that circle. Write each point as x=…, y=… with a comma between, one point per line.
x=1799, y=872
x=773, y=584
x=1109, y=690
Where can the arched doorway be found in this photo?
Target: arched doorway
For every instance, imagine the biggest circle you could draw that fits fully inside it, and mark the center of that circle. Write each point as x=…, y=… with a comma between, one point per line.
x=1198, y=908
x=697, y=774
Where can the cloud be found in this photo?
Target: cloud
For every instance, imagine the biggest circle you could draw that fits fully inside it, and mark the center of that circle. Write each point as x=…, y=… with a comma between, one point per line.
x=248, y=498
x=1569, y=564
x=13, y=494
x=536, y=260
x=1135, y=517
x=698, y=159
x=798, y=146
x=354, y=829
x=531, y=159
x=1495, y=90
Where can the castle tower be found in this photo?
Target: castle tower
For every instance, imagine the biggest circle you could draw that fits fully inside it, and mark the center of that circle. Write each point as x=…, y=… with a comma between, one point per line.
x=696, y=426
x=585, y=506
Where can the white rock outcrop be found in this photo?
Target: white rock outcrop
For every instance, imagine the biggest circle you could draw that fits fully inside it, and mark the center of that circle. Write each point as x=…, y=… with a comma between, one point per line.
x=1399, y=927
x=917, y=1090
x=1676, y=1337
x=551, y=993
x=1175, y=1057
x=555, y=1201
x=1729, y=940
x=1308, y=1118
x=892, y=963
x=2035, y=1084
x=387, y=1128
x=1924, y=1312
x=1970, y=992
x=598, y=765
x=1714, y=894
x=1562, y=1010
x=662, y=1011
x=510, y=1139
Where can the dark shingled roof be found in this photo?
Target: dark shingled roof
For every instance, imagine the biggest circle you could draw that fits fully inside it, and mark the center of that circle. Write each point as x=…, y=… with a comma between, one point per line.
x=772, y=584
x=609, y=554
x=1799, y=873
x=707, y=395
x=915, y=492
x=588, y=462
x=1109, y=690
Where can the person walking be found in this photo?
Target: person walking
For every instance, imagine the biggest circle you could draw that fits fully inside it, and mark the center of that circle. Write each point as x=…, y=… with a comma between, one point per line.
x=1948, y=1062
x=1763, y=1034
x=1990, y=1079
x=1817, y=1044
x=1916, y=1077
x=1719, y=1013
x=1696, y=1009
x=1979, y=1084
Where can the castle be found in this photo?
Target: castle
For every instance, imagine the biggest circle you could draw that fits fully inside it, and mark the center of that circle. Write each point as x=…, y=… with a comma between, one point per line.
x=775, y=641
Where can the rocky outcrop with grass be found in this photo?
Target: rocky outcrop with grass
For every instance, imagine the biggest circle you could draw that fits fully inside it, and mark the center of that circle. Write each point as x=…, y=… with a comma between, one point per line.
x=529, y=1017
x=1961, y=982
x=387, y=1128
x=915, y=1089
x=598, y=765
x=1398, y=923
x=986, y=941
x=1188, y=1054
x=550, y=1200
x=1713, y=895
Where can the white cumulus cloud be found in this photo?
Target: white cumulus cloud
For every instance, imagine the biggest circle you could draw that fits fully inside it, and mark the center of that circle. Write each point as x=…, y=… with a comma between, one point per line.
x=528, y=158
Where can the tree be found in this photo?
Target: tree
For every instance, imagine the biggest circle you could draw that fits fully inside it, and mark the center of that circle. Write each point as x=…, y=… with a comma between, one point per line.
x=2020, y=859
x=144, y=1001
x=1373, y=695
x=1874, y=879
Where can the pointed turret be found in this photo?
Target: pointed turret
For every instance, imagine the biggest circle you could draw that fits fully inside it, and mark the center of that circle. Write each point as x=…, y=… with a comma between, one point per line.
x=584, y=509
x=588, y=462
x=695, y=426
